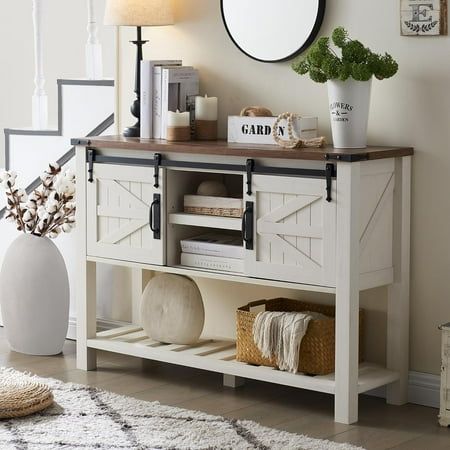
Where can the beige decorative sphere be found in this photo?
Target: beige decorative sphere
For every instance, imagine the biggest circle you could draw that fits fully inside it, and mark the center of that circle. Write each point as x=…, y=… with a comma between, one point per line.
x=212, y=188
x=172, y=310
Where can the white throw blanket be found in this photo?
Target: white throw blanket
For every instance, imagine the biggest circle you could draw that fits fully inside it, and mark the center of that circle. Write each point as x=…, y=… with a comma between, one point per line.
x=280, y=334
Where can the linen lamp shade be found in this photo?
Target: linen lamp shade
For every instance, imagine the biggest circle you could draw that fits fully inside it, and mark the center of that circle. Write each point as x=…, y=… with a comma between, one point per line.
x=139, y=13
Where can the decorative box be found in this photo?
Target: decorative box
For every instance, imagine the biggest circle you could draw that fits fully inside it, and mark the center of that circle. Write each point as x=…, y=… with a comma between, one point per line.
x=444, y=412
x=258, y=130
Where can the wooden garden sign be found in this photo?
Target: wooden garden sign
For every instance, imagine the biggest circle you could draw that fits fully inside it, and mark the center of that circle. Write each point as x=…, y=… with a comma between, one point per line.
x=423, y=17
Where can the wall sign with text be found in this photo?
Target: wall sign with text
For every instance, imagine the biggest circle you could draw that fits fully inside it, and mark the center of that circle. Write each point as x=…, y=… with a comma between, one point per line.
x=423, y=17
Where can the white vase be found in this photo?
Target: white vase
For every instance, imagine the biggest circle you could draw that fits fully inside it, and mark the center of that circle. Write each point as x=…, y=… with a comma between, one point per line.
x=34, y=296
x=349, y=112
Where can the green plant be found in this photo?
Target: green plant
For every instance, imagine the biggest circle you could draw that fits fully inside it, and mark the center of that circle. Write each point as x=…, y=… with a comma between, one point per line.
x=356, y=61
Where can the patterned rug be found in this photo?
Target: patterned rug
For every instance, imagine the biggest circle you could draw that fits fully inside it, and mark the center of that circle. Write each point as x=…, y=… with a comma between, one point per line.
x=86, y=418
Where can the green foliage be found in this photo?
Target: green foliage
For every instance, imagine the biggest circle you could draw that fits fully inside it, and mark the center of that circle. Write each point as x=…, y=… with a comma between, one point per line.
x=339, y=36
x=357, y=61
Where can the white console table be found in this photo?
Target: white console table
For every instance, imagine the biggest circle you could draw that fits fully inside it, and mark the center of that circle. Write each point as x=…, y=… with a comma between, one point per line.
x=322, y=220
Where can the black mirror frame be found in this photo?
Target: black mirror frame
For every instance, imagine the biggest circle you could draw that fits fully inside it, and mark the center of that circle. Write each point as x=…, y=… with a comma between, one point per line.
x=315, y=31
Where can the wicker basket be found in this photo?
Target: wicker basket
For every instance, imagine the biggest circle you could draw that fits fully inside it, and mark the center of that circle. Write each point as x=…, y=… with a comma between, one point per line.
x=317, y=348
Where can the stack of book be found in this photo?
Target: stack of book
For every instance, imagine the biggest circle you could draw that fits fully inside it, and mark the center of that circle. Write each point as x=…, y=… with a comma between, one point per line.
x=166, y=85
x=213, y=251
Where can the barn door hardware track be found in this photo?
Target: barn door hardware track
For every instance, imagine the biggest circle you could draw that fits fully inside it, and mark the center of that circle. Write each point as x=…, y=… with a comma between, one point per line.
x=250, y=168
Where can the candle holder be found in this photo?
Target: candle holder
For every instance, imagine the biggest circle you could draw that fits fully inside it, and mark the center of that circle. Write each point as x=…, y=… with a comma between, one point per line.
x=206, y=130
x=179, y=134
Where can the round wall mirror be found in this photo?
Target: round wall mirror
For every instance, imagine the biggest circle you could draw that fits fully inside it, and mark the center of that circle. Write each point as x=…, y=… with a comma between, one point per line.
x=272, y=30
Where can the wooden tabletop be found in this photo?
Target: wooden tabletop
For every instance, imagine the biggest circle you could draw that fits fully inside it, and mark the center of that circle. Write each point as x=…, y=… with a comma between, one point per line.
x=244, y=150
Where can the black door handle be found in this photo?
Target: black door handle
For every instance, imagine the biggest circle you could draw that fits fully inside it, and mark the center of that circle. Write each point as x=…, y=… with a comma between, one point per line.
x=247, y=226
x=155, y=216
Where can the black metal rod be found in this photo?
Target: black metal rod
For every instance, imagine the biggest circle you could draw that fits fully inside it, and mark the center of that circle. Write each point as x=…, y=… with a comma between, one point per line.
x=259, y=169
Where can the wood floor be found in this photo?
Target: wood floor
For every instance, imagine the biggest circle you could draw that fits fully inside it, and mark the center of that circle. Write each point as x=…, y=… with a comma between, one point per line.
x=381, y=426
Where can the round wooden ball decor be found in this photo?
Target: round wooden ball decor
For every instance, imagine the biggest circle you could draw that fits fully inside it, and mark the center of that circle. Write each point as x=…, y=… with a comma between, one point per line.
x=212, y=188
x=172, y=310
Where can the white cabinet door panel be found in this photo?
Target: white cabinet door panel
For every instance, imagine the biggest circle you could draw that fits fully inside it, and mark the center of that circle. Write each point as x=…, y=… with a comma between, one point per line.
x=295, y=230
x=119, y=205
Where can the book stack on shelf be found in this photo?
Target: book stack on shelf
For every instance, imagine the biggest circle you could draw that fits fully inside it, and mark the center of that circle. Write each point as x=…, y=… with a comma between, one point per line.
x=213, y=251
x=166, y=85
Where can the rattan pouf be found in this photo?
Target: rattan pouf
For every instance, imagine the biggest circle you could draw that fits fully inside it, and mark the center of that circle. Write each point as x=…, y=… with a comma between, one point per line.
x=21, y=395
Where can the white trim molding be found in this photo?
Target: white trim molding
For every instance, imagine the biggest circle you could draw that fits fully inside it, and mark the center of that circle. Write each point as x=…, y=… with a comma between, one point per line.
x=102, y=325
x=424, y=389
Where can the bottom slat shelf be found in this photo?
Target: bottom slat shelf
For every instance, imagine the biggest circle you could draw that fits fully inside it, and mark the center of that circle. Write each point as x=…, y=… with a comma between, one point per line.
x=219, y=356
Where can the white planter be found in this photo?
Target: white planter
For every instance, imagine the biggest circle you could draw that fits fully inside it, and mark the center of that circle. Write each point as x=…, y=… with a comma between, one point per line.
x=34, y=295
x=349, y=112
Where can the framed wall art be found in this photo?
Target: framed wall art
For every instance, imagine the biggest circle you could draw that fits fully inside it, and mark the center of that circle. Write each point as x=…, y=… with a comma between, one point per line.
x=423, y=17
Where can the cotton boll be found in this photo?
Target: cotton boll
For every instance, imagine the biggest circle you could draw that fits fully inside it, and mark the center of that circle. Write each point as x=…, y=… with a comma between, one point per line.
x=22, y=195
x=41, y=212
x=52, y=206
x=67, y=228
x=69, y=174
x=28, y=216
x=31, y=203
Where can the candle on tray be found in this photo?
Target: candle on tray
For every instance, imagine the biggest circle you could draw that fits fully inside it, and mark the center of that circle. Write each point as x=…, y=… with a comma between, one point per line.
x=206, y=112
x=178, y=126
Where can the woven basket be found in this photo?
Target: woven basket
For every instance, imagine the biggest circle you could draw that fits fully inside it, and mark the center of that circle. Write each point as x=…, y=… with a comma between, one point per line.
x=317, y=348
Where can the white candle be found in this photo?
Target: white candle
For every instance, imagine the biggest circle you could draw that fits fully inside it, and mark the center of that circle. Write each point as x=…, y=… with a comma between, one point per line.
x=205, y=108
x=178, y=119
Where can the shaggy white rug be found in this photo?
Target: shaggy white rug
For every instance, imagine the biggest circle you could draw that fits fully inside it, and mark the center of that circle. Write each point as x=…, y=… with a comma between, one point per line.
x=85, y=418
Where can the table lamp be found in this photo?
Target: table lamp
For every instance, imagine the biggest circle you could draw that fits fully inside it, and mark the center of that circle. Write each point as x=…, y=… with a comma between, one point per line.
x=138, y=13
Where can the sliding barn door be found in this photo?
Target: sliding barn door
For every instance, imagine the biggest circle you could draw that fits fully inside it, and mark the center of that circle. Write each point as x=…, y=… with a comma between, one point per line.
x=125, y=214
x=294, y=230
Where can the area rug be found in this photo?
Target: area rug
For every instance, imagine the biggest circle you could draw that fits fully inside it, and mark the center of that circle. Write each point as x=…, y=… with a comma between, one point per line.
x=86, y=418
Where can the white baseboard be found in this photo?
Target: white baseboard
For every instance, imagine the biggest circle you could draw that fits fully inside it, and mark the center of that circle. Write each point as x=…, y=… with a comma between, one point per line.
x=423, y=388
x=102, y=325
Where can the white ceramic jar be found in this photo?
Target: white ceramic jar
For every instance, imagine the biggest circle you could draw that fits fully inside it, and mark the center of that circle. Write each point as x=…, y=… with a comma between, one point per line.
x=34, y=296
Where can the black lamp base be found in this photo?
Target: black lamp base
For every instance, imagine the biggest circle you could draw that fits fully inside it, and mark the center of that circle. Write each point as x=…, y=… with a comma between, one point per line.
x=134, y=131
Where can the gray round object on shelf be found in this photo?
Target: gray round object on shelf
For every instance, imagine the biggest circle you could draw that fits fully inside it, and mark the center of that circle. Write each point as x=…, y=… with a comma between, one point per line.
x=172, y=310
x=212, y=188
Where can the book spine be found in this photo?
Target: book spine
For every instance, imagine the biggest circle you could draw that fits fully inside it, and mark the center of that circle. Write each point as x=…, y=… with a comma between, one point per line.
x=164, y=101
x=208, y=249
x=157, y=71
x=212, y=263
x=146, y=100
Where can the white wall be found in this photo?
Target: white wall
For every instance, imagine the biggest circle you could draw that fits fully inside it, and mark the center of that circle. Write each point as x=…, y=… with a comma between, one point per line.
x=411, y=109
x=64, y=37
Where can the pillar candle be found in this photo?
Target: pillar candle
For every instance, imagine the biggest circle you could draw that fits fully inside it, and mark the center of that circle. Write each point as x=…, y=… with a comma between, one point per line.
x=205, y=108
x=178, y=119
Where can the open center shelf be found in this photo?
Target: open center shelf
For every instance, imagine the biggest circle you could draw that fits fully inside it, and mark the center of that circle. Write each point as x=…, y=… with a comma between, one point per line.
x=199, y=220
x=220, y=356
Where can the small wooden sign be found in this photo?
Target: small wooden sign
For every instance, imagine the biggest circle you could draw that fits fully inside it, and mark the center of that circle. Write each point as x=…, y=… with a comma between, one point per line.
x=258, y=130
x=423, y=17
